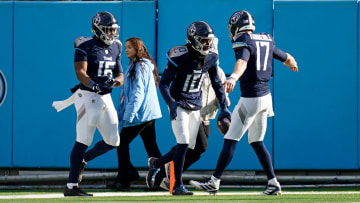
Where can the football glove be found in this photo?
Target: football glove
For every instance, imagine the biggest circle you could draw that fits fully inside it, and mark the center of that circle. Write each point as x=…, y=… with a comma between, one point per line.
x=173, y=106
x=225, y=113
x=100, y=87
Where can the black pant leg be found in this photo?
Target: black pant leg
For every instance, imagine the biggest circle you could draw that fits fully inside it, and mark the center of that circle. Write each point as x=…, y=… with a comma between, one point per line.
x=126, y=171
x=200, y=147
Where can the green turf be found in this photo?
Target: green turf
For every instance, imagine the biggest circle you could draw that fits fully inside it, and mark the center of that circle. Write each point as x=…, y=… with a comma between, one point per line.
x=199, y=198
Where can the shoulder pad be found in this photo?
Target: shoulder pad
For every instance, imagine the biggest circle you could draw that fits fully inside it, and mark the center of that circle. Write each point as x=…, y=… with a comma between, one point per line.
x=240, y=41
x=236, y=45
x=81, y=40
x=118, y=42
x=177, y=51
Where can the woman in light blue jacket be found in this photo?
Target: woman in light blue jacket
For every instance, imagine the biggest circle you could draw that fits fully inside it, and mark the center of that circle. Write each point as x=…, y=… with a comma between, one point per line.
x=138, y=109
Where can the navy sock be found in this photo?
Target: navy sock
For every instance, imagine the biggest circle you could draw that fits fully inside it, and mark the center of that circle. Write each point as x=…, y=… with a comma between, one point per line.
x=166, y=158
x=179, y=159
x=225, y=157
x=264, y=158
x=99, y=149
x=76, y=157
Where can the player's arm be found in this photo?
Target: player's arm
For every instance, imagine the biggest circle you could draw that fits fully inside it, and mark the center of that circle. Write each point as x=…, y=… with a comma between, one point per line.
x=118, y=80
x=80, y=70
x=242, y=57
x=223, y=79
x=286, y=58
x=167, y=77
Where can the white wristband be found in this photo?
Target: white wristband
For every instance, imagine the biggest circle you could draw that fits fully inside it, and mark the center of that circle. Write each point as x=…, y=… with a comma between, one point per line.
x=234, y=76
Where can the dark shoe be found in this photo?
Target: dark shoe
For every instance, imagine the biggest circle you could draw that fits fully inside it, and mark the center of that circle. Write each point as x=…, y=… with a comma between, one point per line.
x=272, y=190
x=150, y=178
x=75, y=191
x=119, y=186
x=181, y=191
x=82, y=168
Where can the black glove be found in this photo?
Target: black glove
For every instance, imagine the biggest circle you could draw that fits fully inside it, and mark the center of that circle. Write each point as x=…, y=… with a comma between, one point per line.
x=173, y=106
x=225, y=113
x=100, y=87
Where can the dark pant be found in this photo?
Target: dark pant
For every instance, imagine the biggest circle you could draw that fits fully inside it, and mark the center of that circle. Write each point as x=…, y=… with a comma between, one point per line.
x=126, y=171
x=200, y=147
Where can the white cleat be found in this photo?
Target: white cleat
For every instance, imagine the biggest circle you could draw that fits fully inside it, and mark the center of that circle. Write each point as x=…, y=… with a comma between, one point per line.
x=212, y=186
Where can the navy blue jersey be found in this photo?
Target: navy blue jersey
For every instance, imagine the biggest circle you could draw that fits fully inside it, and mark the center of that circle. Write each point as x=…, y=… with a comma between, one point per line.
x=102, y=60
x=254, y=81
x=185, y=71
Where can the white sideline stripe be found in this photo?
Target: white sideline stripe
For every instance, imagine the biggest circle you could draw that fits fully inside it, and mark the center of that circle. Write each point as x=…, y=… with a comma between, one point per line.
x=133, y=194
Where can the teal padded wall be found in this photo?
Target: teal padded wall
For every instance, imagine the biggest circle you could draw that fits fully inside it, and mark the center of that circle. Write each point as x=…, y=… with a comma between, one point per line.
x=316, y=108
x=6, y=67
x=44, y=35
x=174, y=18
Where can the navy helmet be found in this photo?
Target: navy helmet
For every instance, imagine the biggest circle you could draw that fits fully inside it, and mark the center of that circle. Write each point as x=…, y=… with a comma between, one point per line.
x=201, y=37
x=105, y=27
x=240, y=21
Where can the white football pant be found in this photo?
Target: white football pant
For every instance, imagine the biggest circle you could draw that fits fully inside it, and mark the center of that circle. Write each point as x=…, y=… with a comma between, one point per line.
x=186, y=126
x=96, y=111
x=250, y=114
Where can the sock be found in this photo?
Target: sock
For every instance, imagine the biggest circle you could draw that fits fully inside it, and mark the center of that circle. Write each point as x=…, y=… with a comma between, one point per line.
x=179, y=159
x=71, y=185
x=166, y=158
x=264, y=158
x=99, y=149
x=76, y=157
x=225, y=157
x=273, y=181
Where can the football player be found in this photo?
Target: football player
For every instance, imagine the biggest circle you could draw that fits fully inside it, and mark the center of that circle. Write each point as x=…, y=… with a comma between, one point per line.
x=180, y=85
x=98, y=68
x=254, y=54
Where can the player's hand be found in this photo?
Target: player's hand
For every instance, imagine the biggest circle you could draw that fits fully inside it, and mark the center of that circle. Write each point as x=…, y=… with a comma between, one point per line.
x=173, y=107
x=291, y=63
x=100, y=87
x=225, y=113
x=229, y=85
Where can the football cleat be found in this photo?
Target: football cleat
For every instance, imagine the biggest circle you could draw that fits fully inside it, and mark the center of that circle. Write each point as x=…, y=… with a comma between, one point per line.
x=181, y=190
x=211, y=185
x=150, y=178
x=75, y=191
x=82, y=168
x=272, y=190
x=165, y=184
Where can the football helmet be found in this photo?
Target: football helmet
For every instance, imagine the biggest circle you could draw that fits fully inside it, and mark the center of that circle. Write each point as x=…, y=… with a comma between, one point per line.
x=105, y=27
x=201, y=36
x=240, y=21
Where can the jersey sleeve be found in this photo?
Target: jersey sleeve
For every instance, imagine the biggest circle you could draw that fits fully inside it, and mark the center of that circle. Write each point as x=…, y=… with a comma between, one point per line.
x=279, y=55
x=80, y=49
x=241, y=48
x=176, y=54
x=167, y=77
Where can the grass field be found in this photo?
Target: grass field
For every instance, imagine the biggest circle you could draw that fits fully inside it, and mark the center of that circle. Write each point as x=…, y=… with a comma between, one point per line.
x=226, y=195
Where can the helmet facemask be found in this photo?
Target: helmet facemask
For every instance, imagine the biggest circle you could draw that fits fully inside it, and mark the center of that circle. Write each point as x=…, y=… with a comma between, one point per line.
x=108, y=34
x=203, y=44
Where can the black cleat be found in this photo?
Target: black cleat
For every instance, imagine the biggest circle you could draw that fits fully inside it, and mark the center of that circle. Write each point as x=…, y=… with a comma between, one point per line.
x=75, y=191
x=150, y=178
x=181, y=191
x=117, y=186
x=82, y=168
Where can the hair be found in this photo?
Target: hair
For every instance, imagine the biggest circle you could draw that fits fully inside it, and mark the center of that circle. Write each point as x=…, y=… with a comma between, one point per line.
x=142, y=52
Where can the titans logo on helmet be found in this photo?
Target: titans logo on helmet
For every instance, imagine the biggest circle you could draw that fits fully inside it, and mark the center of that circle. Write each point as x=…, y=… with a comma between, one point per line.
x=3, y=88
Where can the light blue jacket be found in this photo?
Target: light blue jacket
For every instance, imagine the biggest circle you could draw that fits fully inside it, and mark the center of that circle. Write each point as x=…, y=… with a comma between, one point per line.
x=139, y=101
